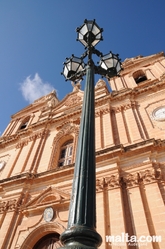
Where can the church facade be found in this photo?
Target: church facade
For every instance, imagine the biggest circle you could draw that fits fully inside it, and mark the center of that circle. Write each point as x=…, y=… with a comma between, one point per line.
x=37, y=156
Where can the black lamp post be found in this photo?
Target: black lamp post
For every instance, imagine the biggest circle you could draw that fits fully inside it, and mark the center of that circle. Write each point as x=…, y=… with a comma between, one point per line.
x=81, y=232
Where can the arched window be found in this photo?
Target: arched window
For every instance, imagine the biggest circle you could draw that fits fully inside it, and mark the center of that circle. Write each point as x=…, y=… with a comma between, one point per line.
x=66, y=153
x=139, y=76
x=24, y=123
x=48, y=241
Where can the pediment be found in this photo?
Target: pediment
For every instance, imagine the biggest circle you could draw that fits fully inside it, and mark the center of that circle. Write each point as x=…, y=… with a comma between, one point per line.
x=51, y=195
x=48, y=101
x=71, y=101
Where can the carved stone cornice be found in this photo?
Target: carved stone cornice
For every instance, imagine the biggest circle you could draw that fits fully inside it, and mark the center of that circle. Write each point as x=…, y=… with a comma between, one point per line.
x=21, y=144
x=20, y=177
x=8, y=139
x=130, y=63
x=5, y=140
x=34, y=136
x=103, y=100
x=152, y=85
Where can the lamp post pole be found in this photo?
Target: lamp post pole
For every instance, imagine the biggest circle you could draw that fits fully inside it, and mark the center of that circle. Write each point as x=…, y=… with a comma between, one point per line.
x=81, y=231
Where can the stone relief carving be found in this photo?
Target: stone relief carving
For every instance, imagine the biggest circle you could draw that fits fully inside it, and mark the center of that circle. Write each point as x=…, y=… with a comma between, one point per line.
x=148, y=176
x=112, y=181
x=11, y=205
x=51, y=102
x=100, y=83
x=99, y=184
x=131, y=180
x=108, y=182
x=3, y=206
x=31, y=138
x=122, y=107
x=73, y=100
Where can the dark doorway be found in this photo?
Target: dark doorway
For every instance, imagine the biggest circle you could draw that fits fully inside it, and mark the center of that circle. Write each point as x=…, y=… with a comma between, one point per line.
x=50, y=241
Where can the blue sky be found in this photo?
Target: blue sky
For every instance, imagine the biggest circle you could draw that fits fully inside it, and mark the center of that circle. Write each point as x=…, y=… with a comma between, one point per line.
x=37, y=35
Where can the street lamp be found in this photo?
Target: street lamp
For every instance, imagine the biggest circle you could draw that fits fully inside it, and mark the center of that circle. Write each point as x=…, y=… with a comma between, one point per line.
x=81, y=231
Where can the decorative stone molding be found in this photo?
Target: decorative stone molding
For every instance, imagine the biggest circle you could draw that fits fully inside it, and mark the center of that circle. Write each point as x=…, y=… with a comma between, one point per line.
x=127, y=106
x=73, y=100
x=51, y=196
x=108, y=182
x=5, y=140
x=68, y=123
x=129, y=93
x=131, y=180
x=24, y=143
x=11, y=205
x=117, y=109
x=105, y=110
x=112, y=181
x=67, y=130
x=100, y=83
x=30, y=235
x=52, y=101
x=71, y=112
x=3, y=206
x=121, y=107
x=99, y=184
x=31, y=138
x=148, y=176
x=97, y=113
x=102, y=101
x=102, y=111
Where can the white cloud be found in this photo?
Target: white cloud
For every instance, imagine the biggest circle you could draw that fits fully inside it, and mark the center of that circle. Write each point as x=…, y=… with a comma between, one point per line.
x=34, y=88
